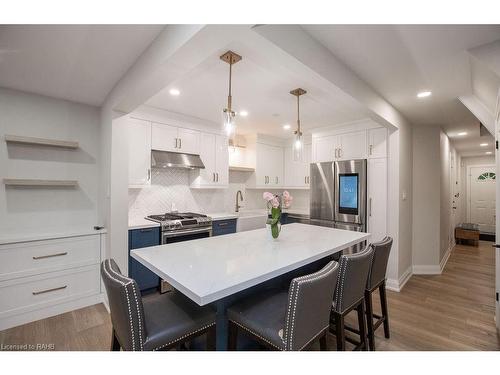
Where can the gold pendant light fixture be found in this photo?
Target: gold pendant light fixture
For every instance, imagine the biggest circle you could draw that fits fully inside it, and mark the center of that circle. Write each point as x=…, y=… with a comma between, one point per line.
x=298, y=144
x=228, y=114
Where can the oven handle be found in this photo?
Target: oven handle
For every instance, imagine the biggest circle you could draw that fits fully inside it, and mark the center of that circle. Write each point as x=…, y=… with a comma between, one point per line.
x=178, y=233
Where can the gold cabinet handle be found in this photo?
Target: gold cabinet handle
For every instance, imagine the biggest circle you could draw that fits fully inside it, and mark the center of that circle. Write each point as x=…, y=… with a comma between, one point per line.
x=50, y=256
x=49, y=290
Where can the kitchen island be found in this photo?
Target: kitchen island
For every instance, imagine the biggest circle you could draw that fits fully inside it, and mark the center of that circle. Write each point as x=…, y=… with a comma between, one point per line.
x=221, y=269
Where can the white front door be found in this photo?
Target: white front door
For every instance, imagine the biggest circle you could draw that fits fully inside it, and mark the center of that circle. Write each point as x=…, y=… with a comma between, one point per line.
x=481, y=194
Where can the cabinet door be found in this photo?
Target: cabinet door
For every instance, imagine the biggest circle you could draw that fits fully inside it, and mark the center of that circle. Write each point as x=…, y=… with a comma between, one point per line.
x=324, y=148
x=139, y=238
x=139, y=153
x=377, y=143
x=222, y=160
x=263, y=168
x=352, y=145
x=276, y=166
x=377, y=198
x=289, y=173
x=207, y=155
x=164, y=138
x=305, y=169
x=189, y=141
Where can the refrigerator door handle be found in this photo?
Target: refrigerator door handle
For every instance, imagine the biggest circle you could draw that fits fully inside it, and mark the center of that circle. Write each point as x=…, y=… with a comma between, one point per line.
x=370, y=208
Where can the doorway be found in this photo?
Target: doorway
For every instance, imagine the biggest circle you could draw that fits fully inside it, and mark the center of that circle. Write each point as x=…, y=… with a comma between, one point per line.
x=481, y=191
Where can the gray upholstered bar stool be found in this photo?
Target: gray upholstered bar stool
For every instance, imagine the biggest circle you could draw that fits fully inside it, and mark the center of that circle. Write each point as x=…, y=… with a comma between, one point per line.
x=157, y=323
x=287, y=320
x=376, y=280
x=349, y=295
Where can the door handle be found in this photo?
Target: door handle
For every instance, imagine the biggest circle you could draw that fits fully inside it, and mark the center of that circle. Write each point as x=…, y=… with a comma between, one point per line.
x=176, y=142
x=149, y=174
x=335, y=154
x=217, y=176
x=180, y=143
x=340, y=152
x=213, y=176
x=49, y=290
x=370, y=207
x=276, y=180
x=370, y=150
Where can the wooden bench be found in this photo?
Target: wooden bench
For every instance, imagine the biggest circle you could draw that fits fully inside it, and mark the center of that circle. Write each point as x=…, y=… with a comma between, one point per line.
x=467, y=232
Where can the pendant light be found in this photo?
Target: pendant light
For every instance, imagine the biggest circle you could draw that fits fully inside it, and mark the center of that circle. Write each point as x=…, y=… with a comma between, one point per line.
x=228, y=114
x=298, y=144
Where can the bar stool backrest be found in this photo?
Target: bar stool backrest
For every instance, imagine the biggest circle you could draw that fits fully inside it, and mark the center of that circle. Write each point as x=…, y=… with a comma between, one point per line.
x=125, y=306
x=308, y=306
x=378, y=267
x=351, y=281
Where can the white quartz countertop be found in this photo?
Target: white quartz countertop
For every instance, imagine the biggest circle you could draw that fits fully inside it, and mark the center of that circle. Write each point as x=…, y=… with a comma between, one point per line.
x=212, y=268
x=47, y=235
x=140, y=222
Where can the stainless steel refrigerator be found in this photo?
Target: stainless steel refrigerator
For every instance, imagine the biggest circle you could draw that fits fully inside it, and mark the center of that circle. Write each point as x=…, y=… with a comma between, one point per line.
x=338, y=194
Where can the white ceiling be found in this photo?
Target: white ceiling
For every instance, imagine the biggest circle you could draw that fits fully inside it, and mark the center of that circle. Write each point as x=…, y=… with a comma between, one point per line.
x=81, y=63
x=261, y=85
x=399, y=61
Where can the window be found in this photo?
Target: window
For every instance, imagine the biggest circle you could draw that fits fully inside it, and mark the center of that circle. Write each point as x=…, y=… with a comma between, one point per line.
x=487, y=176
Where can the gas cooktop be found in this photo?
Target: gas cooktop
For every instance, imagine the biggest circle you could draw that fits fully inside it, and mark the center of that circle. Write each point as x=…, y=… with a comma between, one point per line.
x=180, y=220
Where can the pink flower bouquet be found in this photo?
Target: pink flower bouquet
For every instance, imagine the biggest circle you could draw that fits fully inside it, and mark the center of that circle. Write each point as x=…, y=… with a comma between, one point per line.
x=276, y=203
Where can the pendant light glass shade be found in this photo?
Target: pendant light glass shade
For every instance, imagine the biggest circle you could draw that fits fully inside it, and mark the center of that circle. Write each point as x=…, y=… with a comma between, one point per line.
x=298, y=147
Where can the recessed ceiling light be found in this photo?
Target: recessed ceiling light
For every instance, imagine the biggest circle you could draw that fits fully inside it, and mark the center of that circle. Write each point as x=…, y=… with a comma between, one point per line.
x=424, y=94
x=243, y=113
x=489, y=152
x=462, y=133
x=483, y=144
x=174, y=92
x=286, y=126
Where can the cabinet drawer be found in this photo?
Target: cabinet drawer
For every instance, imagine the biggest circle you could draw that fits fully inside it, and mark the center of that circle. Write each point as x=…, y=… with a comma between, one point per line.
x=221, y=227
x=145, y=237
x=30, y=293
x=32, y=258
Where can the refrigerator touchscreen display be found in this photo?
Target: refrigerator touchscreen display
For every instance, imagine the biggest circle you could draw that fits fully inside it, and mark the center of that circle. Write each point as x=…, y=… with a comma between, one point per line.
x=348, y=193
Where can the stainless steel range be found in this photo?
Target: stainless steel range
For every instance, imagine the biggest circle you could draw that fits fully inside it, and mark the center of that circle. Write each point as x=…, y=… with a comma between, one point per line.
x=182, y=226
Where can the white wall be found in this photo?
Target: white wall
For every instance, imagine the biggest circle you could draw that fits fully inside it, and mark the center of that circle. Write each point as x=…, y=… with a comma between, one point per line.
x=36, y=210
x=426, y=198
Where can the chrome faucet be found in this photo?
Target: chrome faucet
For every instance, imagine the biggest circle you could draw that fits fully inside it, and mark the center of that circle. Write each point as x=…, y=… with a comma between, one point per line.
x=237, y=202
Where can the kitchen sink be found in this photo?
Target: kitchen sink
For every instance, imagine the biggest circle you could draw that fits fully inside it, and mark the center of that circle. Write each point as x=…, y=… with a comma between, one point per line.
x=251, y=219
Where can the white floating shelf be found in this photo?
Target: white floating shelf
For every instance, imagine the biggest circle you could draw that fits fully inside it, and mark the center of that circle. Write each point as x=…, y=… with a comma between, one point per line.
x=41, y=141
x=241, y=169
x=32, y=182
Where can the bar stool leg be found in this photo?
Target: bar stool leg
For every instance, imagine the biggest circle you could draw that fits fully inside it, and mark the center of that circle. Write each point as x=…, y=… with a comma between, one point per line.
x=362, y=325
x=339, y=331
x=385, y=314
x=322, y=343
x=115, y=345
x=369, y=319
x=232, y=336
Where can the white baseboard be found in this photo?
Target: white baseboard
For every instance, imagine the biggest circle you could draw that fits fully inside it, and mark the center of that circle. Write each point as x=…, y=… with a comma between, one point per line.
x=397, y=285
x=31, y=316
x=443, y=262
x=424, y=269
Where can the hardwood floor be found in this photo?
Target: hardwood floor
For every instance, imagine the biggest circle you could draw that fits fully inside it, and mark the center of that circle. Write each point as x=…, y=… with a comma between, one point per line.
x=451, y=311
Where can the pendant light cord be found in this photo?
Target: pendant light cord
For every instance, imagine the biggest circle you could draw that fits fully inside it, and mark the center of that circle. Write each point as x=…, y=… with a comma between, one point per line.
x=229, y=98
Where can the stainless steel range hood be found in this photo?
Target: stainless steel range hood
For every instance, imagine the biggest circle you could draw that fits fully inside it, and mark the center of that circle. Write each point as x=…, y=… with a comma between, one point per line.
x=165, y=159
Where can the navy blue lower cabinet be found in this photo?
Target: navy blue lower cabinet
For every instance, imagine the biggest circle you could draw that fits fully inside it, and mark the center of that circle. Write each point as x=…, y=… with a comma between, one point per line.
x=138, y=238
x=221, y=227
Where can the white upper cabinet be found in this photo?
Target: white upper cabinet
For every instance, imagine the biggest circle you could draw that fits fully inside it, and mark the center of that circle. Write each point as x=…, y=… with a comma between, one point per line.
x=214, y=153
x=324, y=148
x=222, y=160
x=352, y=146
x=377, y=198
x=296, y=173
x=268, y=167
x=189, y=141
x=377, y=143
x=171, y=138
x=164, y=138
x=139, y=153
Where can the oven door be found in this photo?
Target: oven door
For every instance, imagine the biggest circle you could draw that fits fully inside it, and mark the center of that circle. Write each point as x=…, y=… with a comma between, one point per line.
x=185, y=235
